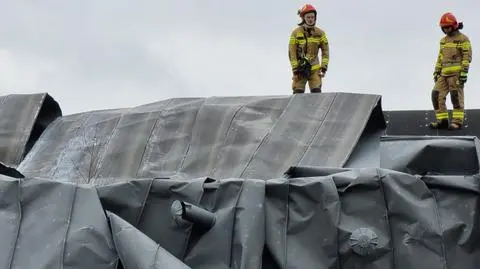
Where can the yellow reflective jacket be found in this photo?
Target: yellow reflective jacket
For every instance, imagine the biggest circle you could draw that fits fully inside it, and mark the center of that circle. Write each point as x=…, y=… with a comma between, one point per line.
x=305, y=43
x=455, y=55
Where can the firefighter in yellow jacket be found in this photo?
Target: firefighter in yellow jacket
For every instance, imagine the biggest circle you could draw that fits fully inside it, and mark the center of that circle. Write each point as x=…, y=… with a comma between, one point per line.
x=306, y=41
x=450, y=75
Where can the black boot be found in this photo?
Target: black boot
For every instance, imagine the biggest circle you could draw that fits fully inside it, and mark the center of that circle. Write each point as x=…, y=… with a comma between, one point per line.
x=443, y=124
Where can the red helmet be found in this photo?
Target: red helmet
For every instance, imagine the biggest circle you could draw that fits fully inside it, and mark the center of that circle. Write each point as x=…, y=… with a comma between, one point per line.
x=448, y=19
x=306, y=9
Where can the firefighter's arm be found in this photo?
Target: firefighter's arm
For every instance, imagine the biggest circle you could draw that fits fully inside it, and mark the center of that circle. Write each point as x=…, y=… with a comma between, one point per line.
x=292, y=51
x=438, y=63
x=324, y=46
x=466, y=55
x=466, y=59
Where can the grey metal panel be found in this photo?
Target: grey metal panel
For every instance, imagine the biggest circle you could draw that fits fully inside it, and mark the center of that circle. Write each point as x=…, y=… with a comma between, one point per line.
x=122, y=154
x=430, y=154
x=170, y=138
x=367, y=151
x=252, y=123
x=147, y=254
x=71, y=147
x=289, y=137
x=10, y=218
x=45, y=156
x=18, y=115
x=222, y=137
x=213, y=122
x=339, y=132
x=404, y=221
x=47, y=224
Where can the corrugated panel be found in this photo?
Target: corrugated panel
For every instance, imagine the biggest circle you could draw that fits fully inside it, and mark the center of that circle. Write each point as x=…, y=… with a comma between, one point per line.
x=23, y=117
x=221, y=137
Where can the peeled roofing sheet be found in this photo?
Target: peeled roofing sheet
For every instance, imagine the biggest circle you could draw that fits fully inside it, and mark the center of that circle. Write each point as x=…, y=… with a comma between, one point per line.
x=22, y=119
x=221, y=137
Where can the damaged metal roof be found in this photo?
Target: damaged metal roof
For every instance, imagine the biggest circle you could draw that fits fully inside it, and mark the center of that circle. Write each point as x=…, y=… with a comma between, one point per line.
x=304, y=181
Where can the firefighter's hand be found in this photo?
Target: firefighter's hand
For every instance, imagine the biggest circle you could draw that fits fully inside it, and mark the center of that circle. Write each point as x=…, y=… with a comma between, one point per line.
x=436, y=75
x=463, y=78
x=322, y=72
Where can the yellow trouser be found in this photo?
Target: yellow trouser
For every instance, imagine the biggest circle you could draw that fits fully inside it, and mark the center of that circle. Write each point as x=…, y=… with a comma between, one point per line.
x=444, y=86
x=314, y=83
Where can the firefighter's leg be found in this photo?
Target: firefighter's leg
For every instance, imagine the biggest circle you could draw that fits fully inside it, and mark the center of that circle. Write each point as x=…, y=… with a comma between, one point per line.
x=298, y=84
x=439, y=95
x=315, y=82
x=456, y=96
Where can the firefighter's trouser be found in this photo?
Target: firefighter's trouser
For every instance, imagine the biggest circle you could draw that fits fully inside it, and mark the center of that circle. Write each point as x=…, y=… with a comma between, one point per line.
x=444, y=86
x=314, y=83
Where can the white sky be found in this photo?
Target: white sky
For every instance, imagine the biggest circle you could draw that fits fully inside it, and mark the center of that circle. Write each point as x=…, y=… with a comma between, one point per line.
x=110, y=54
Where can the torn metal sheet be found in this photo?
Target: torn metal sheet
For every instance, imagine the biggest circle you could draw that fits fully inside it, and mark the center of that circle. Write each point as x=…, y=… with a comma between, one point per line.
x=23, y=118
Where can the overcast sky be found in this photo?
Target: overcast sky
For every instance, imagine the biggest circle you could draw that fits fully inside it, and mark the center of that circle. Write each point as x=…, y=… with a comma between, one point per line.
x=109, y=54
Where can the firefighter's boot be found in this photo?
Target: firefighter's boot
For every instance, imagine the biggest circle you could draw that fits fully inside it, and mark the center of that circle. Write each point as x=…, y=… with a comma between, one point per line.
x=442, y=124
x=455, y=126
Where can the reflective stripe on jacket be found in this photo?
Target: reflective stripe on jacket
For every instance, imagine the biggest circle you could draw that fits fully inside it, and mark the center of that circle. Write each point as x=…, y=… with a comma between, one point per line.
x=455, y=55
x=303, y=44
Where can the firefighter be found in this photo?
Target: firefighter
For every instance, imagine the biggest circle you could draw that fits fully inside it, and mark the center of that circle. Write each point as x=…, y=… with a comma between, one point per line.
x=306, y=41
x=450, y=75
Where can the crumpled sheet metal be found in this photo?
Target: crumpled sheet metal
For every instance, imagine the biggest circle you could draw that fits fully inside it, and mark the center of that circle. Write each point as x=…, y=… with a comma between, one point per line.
x=430, y=154
x=23, y=118
x=218, y=137
x=402, y=221
x=235, y=241
x=138, y=251
x=47, y=224
x=313, y=218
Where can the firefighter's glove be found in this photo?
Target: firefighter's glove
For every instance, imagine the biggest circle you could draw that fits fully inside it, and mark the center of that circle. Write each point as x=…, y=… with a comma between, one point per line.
x=322, y=71
x=463, y=78
x=436, y=75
